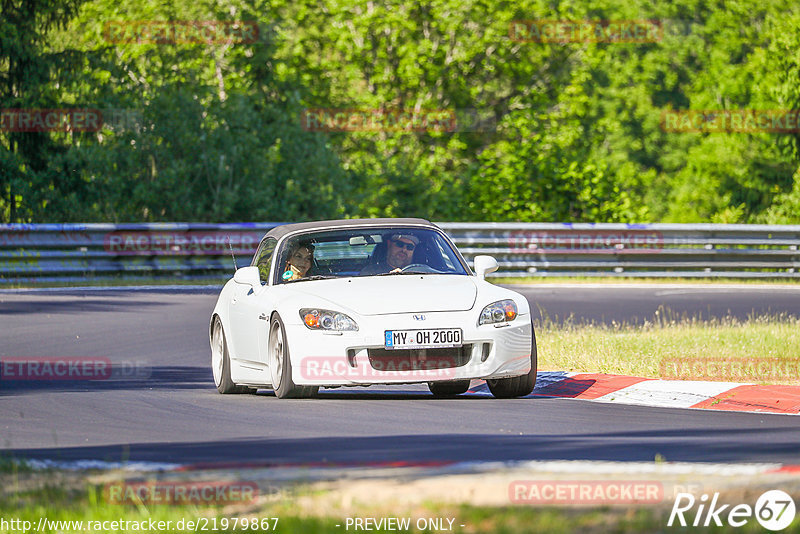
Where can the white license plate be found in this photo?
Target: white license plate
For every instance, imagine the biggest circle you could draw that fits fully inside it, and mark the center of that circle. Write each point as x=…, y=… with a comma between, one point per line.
x=423, y=339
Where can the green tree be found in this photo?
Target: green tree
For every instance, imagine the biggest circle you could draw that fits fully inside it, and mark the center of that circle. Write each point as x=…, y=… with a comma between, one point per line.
x=27, y=73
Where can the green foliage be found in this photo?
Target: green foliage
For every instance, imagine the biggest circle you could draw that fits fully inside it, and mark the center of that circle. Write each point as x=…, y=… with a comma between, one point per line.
x=213, y=131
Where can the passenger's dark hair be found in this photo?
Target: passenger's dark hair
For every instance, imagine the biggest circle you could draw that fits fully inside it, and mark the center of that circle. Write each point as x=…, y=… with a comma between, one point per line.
x=294, y=247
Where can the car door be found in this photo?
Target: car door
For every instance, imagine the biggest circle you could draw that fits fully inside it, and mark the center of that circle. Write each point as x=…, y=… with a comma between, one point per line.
x=250, y=310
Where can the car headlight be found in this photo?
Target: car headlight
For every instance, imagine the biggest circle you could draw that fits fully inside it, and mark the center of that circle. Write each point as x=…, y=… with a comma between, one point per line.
x=319, y=319
x=498, y=312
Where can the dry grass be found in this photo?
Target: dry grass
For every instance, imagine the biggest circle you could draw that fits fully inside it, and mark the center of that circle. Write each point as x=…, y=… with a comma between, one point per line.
x=648, y=349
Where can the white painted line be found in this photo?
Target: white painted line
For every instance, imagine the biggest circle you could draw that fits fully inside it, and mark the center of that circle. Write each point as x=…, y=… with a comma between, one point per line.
x=80, y=465
x=677, y=468
x=612, y=285
x=668, y=393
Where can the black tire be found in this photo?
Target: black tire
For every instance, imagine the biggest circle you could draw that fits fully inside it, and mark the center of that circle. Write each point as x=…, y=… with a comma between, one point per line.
x=448, y=389
x=518, y=386
x=221, y=362
x=279, y=356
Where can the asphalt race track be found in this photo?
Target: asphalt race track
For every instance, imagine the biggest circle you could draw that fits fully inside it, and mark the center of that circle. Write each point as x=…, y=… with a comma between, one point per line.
x=167, y=409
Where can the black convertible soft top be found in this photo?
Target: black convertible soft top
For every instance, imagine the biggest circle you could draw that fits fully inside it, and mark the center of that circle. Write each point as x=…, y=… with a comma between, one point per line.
x=279, y=231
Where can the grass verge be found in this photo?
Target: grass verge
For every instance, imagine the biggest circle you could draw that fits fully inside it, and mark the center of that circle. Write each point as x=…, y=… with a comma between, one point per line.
x=115, y=281
x=767, y=347
x=615, y=279
x=77, y=508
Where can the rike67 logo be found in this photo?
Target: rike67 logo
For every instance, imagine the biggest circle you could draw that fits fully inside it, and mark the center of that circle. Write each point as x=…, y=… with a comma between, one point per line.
x=774, y=510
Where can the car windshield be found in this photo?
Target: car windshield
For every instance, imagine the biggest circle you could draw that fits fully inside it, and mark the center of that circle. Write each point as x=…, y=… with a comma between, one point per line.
x=367, y=252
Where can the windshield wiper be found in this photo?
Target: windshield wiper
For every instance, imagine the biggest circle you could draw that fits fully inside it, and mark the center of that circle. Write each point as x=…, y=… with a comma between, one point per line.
x=315, y=277
x=411, y=272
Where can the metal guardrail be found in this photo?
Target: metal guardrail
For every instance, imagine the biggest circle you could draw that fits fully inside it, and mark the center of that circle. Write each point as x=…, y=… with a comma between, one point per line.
x=634, y=250
x=48, y=253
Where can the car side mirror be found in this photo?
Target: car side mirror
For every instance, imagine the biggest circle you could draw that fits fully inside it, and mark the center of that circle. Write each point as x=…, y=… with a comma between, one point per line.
x=248, y=276
x=485, y=265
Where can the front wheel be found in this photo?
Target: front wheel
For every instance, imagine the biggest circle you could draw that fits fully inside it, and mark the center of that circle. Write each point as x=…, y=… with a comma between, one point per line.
x=280, y=364
x=518, y=386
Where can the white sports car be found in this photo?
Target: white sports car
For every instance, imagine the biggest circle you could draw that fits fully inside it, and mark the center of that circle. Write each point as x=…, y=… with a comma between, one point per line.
x=368, y=301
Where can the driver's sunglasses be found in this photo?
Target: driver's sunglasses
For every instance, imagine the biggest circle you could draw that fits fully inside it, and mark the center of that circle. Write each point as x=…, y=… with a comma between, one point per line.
x=400, y=244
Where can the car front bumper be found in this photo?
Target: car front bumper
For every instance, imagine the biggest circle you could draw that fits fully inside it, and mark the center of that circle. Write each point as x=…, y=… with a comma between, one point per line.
x=360, y=358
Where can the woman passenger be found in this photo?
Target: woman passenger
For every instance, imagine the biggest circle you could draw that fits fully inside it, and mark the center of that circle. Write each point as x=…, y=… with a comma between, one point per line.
x=301, y=256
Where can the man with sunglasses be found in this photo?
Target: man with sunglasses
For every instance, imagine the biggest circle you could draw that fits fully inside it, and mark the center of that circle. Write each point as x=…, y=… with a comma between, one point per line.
x=399, y=253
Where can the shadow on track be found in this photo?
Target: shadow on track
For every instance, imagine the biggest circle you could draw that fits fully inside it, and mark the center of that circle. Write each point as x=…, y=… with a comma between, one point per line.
x=165, y=377
x=64, y=306
x=711, y=445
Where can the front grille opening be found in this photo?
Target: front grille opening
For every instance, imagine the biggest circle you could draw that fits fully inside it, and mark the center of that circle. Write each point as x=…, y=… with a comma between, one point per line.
x=419, y=359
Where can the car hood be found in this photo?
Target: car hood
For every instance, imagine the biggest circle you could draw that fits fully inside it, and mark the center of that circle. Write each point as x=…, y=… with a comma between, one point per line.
x=380, y=295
